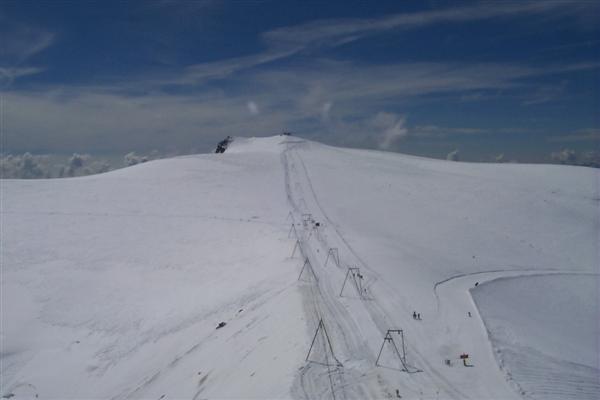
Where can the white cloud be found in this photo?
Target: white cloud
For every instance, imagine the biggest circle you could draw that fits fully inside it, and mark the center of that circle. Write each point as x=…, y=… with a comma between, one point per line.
x=325, y=109
x=179, y=7
x=8, y=75
x=23, y=42
x=391, y=128
x=253, y=108
x=545, y=93
x=111, y=118
x=340, y=31
x=18, y=45
x=86, y=120
x=199, y=73
x=453, y=156
x=582, y=135
x=300, y=97
x=288, y=41
x=589, y=158
x=434, y=131
x=28, y=166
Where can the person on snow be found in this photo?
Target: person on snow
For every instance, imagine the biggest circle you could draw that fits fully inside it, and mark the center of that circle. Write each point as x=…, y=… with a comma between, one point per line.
x=414, y=315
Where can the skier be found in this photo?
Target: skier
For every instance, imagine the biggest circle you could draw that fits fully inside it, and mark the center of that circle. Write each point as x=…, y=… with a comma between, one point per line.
x=419, y=316
x=414, y=315
x=469, y=313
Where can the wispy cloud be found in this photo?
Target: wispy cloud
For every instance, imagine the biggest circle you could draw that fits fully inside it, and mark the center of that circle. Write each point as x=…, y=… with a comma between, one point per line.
x=546, y=93
x=326, y=109
x=10, y=74
x=19, y=44
x=390, y=129
x=22, y=44
x=391, y=126
x=313, y=36
x=181, y=6
x=253, y=108
x=342, y=31
x=453, y=156
x=583, y=135
x=220, y=69
x=344, y=103
x=99, y=121
x=345, y=83
x=434, y=131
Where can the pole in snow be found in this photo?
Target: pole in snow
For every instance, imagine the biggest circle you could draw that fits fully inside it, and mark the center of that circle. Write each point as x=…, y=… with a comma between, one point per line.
x=321, y=327
x=293, y=229
x=296, y=246
x=307, y=264
x=333, y=253
x=354, y=274
x=390, y=339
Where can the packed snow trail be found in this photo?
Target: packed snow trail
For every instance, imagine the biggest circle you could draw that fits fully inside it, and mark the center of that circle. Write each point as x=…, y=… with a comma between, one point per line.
x=322, y=304
x=370, y=313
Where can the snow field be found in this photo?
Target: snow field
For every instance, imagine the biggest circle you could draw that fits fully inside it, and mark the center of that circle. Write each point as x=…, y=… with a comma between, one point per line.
x=406, y=235
x=112, y=285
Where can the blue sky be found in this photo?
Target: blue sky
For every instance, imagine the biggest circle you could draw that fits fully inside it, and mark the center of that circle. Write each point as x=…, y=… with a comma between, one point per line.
x=428, y=77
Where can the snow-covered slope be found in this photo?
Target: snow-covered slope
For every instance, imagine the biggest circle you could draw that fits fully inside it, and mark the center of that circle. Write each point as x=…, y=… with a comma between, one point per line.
x=551, y=353
x=113, y=285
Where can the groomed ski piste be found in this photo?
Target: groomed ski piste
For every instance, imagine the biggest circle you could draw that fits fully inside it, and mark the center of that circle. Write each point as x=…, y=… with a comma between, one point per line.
x=113, y=285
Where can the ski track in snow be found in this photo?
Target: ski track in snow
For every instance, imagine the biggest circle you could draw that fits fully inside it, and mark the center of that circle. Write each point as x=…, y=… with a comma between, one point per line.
x=248, y=302
x=377, y=314
x=374, y=311
x=297, y=179
x=146, y=215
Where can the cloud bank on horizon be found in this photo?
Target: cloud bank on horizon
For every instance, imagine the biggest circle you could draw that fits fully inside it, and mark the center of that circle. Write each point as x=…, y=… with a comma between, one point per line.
x=486, y=78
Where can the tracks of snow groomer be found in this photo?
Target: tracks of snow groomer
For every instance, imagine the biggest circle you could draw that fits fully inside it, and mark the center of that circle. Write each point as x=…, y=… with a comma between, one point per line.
x=357, y=325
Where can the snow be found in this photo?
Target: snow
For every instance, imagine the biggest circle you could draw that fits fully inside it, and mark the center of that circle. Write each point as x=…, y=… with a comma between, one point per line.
x=113, y=285
x=551, y=346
